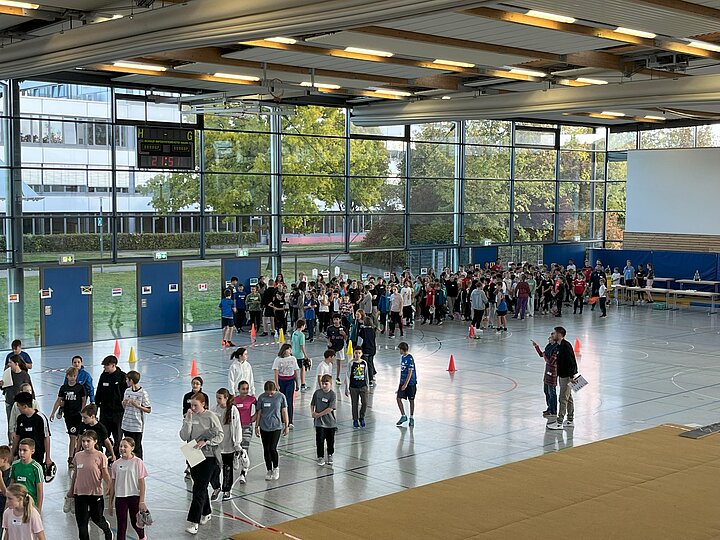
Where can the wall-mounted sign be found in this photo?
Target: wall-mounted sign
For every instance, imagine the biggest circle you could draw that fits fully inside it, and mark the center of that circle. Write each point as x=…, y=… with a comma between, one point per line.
x=423, y=271
x=46, y=293
x=66, y=259
x=146, y=289
x=161, y=255
x=173, y=287
x=202, y=287
x=13, y=298
x=116, y=291
x=86, y=290
x=386, y=275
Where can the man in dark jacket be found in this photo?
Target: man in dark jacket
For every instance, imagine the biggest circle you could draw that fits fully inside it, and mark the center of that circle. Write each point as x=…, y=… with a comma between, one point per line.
x=566, y=371
x=109, y=397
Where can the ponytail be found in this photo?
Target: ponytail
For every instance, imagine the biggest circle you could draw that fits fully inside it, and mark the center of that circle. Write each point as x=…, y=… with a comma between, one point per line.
x=20, y=492
x=228, y=404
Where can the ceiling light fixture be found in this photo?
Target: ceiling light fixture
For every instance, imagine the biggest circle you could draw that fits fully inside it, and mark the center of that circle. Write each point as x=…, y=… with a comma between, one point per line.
x=285, y=40
x=446, y=97
x=250, y=78
x=633, y=32
x=322, y=86
x=705, y=45
x=550, y=16
x=359, y=50
x=453, y=63
x=390, y=92
x=529, y=72
x=650, y=117
x=590, y=81
x=139, y=65
x=21, y=5
x=611, y=113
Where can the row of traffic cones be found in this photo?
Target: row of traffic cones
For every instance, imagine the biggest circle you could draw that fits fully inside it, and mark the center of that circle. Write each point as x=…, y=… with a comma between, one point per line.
x=116, y=353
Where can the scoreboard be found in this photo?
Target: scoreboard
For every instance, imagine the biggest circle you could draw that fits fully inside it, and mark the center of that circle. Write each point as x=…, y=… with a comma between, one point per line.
x=165, y=148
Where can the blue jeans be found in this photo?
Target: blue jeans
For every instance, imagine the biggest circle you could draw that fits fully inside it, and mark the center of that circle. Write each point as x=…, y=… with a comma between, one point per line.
x=551, y=398
x=310, y=328
x=287, y=388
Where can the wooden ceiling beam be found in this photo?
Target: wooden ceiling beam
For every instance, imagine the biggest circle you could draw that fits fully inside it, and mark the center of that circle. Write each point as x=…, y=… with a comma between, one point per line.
x=685, y=7
x=601, y=33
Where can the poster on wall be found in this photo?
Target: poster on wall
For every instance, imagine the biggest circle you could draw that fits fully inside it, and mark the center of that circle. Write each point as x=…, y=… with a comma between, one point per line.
x=423, y=271
x=386, y=275
x=116, y=291
x=46, y=293
x=173, y=287
x=13, y=298
x=146, y=289
x=86, y=290
x=202, y=287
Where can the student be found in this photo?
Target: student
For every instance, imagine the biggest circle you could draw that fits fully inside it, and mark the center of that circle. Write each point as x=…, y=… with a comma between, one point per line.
x=357, y=380
x=5, y=459
x=408, y=384
x=396, y=307
x=128, y=489
x=230, y=445
x=285, y=368
x=268, y=295
x=550, y=377
x=602, y=293
x=241, y=370
x=204, y=428
x=579, y=287
x=28, y=472
x=15, y=411
x=20, y=376
x=253, y=302
x=196, y=385
x=567, y=372
x=326, y=366
x=478, y=304
x=227, y=317
x=109, y=396
x=244, y=403
x=72, y=399
x=91, y=470
x=649, y=280
x=368, y=345
x=501, y=310
x=83, y=377
x=616, y=277
x=272, y=420
x=280, y=308
x=32, y=424
x=323, y=310
x=310, y=307
x=16, y=347
x=336, y=337
x=21, y=520
x=322, y=409
x=298, y=350
x=90, y=421
x=137, y=404
x=240, y=306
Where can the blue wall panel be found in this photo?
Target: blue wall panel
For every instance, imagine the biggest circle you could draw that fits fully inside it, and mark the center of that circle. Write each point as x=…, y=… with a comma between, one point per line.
x=560, y=253
x=682, y=265
x=160, y=311
x=243, y=269
x=66, y=315
x=618, y=257
x=481, y=255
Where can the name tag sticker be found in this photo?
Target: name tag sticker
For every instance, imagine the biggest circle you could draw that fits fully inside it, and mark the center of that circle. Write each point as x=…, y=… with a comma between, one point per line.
x=325, y=400
x=267, y=405
x=22, y=479
x=241, y=405
x=106, y=384
x=80, y=465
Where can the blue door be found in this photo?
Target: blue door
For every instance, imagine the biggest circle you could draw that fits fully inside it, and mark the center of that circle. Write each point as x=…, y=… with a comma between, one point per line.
x=243, y=269
x=65, y=305
x=159, y=293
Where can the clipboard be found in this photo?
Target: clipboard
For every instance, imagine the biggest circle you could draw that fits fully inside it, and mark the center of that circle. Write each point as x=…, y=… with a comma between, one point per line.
x=192, y=455
x=7, y=378
x=579, y=384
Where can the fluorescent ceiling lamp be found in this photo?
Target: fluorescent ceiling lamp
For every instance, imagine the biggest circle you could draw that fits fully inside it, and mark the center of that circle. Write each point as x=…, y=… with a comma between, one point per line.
x=21, y=5
x=453, y=63
x=359, y=50
x=633, y=32
x=139, y=65
x=250, y=78
x=530, y=72
x=446, y=97
x=704, y=45
x=321, y=85
x=390, y=92
x=285, y=40
x=550, y=16
x=611, y=113
x=590, y=81
x=649, y=117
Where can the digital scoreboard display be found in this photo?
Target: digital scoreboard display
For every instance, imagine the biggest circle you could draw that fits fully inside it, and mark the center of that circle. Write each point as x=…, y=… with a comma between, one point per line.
x=165, y=148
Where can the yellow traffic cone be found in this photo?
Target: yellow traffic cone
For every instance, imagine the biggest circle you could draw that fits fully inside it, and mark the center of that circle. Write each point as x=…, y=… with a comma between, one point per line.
x=350, y=349
x=281, y=336
x=132, y=358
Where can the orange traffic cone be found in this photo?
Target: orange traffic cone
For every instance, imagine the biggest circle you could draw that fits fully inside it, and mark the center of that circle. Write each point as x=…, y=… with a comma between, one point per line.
x=193, y=369
x=471, y=332
x=576, y=348
x=451, y=365
x=116, y=351
x=253, y=332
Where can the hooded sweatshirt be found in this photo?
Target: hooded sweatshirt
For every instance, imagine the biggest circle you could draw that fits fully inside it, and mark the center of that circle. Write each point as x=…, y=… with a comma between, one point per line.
x=241, y=371
x=204, y=426
x=232, y=432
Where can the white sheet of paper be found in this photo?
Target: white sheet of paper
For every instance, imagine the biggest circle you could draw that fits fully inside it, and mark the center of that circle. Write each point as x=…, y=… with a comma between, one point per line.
x=579, y=383
x=192, y=455
x=7, y=378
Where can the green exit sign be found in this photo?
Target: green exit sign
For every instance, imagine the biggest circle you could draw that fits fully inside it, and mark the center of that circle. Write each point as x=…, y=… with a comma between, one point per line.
x=242, y=252
x=66, y=259
x=161, y=255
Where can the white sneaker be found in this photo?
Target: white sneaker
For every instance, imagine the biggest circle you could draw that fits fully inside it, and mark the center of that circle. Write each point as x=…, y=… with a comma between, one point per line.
x=192, y=529
x=269, y=475
x=554, y=425
x=205, y=519
x=276, y=473
x=321, y=461
x=243, y=475
x=329, y=459
x=569, y=423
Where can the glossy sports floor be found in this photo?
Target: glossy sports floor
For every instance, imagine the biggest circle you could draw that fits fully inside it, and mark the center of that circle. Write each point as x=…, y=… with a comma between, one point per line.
x=644, y=367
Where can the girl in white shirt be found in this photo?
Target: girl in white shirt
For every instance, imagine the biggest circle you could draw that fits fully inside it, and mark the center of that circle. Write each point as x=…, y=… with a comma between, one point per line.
x=602, y=293
x=285, y=368
x=128, y=488
x=21, y=520
x=241, y=370
x=231, y=443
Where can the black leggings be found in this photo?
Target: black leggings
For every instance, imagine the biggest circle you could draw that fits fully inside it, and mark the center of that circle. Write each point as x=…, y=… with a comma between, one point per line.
x=477, y=317
x=227, y=473
x=256, y=320
x=324, y=320
x=270, y=441
x=137, y=437
x=89, y=507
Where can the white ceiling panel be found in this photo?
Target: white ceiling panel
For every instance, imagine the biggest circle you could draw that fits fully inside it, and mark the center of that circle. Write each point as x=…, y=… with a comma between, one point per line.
x=462, y=26
x=187, y=84
x=259, y=54
x=7, y=21
x=426, y=51
x=636, y=15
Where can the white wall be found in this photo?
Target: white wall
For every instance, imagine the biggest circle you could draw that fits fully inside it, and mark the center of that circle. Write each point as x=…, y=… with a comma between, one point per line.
x=674, y=191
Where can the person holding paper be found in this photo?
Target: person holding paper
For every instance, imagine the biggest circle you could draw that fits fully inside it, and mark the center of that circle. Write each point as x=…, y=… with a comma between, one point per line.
x=203, y=427
x=566, y=371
